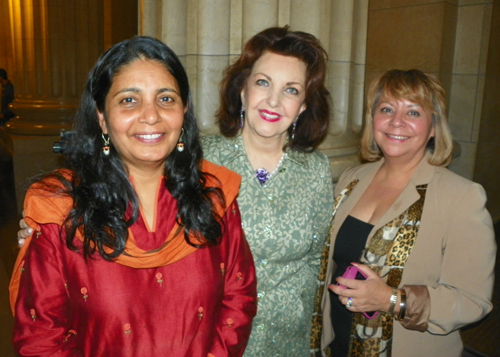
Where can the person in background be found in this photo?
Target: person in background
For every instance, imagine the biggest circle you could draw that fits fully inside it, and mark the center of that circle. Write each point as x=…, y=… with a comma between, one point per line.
x=419, y=233
x=274, y=111
x=137, y=247
x=7, y=97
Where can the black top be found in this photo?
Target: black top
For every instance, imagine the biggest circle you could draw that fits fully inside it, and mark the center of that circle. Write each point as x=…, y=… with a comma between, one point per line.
x=349, y=245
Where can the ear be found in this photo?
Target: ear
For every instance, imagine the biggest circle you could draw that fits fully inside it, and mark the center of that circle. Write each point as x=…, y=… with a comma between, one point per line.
x=433, y=132
x=242, y=95
x=102, y=122
x=302, y=108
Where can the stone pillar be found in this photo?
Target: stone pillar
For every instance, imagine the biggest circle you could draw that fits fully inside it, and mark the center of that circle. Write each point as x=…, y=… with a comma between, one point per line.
x=55, y=43
x=209, y=35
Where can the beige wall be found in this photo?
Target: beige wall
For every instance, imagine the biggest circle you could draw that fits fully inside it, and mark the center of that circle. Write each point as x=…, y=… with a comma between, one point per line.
x=454, y=39
x=487, y=168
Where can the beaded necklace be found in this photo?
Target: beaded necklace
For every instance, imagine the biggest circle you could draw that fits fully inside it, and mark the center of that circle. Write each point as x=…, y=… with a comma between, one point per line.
x=263, y=175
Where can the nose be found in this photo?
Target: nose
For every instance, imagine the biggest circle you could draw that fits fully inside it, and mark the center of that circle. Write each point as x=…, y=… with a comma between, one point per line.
x=397, y=119
x=274, y=98
x=150, y=114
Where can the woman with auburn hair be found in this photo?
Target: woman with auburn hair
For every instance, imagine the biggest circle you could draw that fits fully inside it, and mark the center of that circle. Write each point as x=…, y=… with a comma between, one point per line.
x=274, y=111
x=138, y=248
x=417, y=236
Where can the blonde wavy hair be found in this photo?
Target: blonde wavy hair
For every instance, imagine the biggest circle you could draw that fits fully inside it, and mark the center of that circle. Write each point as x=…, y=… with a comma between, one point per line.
x=420, y=88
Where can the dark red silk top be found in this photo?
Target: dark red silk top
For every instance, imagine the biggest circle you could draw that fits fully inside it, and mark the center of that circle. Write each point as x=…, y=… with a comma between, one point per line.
x=200, y=305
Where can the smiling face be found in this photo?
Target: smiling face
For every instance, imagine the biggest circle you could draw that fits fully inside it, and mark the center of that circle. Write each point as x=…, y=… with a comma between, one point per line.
x=402, y=128
x=143, y=113
x=273, y=96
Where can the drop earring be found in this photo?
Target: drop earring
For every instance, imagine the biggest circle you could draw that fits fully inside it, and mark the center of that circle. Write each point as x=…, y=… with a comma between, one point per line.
x=293, y=128
x=180, y=144
x=242, y=117
x=105, y=148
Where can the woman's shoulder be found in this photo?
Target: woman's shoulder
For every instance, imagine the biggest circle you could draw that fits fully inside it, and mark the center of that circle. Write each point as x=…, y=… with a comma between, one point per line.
x=216, y=142
x=314, y=160
x=447, y=183
x=356, y=172
x=48, y=200
x=448, y=177
x=217, y=147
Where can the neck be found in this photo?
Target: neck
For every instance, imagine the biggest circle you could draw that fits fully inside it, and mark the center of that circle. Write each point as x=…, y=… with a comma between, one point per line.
x=400, y=169
x=146, y=175
x=263, y=152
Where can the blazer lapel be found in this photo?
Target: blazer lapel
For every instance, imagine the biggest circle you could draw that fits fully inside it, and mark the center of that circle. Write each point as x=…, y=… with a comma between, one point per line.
x=423, y=175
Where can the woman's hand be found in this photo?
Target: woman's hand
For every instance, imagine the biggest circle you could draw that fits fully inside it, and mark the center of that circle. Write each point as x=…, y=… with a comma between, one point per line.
x=372, y=294
x=24, y=232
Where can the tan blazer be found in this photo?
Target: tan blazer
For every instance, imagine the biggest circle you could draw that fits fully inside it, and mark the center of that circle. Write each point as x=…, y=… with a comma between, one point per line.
x=453, y=256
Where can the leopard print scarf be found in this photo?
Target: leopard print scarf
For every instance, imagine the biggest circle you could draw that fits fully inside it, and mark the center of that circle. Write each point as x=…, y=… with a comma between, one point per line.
x=386, y=254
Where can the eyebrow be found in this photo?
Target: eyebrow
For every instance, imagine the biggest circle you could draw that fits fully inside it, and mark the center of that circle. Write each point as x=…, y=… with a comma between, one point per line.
x=270, y=79
x=137, y=90
x=413, y=105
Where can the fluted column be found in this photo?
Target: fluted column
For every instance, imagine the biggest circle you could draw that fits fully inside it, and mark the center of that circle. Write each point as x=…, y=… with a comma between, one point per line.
x=55, y=45
x=209, y=34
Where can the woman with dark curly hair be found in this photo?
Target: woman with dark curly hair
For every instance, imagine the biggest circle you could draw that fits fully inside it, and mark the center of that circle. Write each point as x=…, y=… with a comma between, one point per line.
x=138, y=248
x=274, y=111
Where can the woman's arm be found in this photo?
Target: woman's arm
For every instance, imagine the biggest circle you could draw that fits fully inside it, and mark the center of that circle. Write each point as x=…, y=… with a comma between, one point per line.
x=322, y=196
x=42, y=325
x=239, y=305
x=467, y=271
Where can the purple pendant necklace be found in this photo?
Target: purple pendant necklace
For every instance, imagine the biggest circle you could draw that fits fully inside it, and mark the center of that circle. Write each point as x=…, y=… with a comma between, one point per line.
x=263, y=175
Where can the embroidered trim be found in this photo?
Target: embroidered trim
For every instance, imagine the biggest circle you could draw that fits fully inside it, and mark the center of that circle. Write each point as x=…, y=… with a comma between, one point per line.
x=317, y=318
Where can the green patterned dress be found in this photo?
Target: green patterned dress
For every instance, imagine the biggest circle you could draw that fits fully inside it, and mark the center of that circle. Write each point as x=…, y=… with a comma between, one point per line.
x=285, y=223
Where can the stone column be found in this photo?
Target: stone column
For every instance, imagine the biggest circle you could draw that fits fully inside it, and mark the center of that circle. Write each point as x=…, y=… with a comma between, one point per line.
x=209, y=35
x=55, y=44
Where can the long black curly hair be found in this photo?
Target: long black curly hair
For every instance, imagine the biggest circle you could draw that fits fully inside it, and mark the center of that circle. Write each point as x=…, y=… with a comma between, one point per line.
x=100, y=188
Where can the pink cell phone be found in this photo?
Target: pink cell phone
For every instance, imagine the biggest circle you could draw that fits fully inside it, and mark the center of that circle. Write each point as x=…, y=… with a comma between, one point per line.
x=352, y=272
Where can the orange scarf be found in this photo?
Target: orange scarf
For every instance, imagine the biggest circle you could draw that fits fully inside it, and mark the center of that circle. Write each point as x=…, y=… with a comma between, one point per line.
x=41, y=208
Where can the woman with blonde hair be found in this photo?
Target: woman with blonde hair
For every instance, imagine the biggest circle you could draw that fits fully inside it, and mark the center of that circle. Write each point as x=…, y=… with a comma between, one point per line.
x=418, y=235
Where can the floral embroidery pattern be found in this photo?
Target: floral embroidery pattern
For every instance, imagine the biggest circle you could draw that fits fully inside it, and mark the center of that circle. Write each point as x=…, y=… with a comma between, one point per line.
x=127, y=329
x=239, y=276
x=222, y=269
x=22, y=266
x=38, y=234
x=69, y=334
x=229, y=322
x=200, y=312
x=33, y=314
x=286, y=219
x=84, y=293
x=159, y=279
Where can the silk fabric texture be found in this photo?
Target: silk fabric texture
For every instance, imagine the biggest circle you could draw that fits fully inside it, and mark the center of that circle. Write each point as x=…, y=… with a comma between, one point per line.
x=190, y=302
